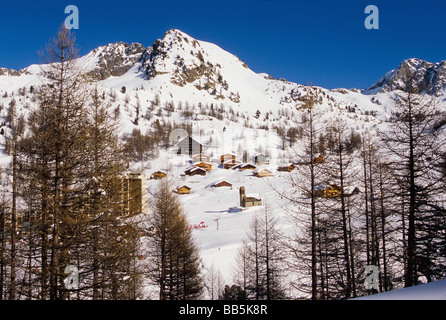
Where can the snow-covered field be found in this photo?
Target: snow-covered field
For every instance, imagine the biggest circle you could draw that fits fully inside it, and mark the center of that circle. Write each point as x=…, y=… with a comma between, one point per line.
x=428, y=291
x=218, y=208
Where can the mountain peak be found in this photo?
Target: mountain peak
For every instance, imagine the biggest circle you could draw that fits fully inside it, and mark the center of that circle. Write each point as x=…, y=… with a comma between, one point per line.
x=184, y=61
x=426, y=77
x=176, y=33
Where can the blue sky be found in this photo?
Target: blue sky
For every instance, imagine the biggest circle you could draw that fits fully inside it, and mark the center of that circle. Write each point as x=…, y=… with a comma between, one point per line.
x=322, y=42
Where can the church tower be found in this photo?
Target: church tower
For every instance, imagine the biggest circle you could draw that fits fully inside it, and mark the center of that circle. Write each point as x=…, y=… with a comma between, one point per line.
x=242, y=196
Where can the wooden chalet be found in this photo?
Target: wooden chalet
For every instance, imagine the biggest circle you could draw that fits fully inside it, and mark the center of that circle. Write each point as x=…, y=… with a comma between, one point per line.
x=227, y=157
x=262, y=172
x=184, y=189
x=205, y=165
x=330, y=191
x=319, y=159
x=287, y=168
x=222, y=183
x=158, y=175
x=193, y=171
x=351, y=191
x=231, y=163
x=247, y=166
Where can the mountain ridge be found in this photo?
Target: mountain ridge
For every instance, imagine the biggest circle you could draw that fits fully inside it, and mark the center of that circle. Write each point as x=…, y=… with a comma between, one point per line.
x=427, y=77
x=115, y=59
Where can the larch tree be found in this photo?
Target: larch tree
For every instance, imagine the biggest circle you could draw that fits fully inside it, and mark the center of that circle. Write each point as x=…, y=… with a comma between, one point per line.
x=412, y=141
x=260, y=261
x=72, y=162
x=303, y=206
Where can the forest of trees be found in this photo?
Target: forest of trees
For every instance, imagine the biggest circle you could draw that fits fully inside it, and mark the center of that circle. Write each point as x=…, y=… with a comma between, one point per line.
x=64, y=181
x=395, y=221
x=66, y=187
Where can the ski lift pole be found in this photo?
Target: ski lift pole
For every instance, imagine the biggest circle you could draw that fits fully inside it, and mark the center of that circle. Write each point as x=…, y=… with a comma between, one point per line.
x=217, y=219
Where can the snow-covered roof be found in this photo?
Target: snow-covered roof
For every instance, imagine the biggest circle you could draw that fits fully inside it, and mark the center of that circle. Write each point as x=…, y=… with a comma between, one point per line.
x=260, y=154
x=253, y=196
x=285, y=164
x=232, y=162
x=193, y=168
x=199, y=162
x=247, y=164
x=218, y=182
x=262, y=169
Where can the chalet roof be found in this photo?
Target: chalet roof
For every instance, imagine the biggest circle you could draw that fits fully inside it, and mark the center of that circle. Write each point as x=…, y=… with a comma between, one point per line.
x=232, y=161
x=184, y=186
x=262, y=169
x=285, y=164
x=260, y=154
x=325, y=186
x=193, y=168
x=255, y=196
x=160, y=171
x=198, y=162
x=201, y=154
x=221, y=181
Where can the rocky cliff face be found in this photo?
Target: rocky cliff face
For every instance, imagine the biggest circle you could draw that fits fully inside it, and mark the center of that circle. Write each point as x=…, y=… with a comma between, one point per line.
x=114, y=59
x=425, y=77
x=186, y=62
x=10, y=72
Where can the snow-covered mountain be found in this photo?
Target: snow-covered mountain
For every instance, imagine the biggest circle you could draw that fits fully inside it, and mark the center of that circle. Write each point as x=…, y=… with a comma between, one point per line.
x=179, y=68
x=230, y=109
x=428, y=77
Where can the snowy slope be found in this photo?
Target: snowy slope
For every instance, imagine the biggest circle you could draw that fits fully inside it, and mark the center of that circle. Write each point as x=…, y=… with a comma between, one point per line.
x=429, y=291
x=210, y=206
